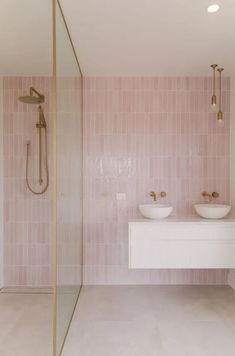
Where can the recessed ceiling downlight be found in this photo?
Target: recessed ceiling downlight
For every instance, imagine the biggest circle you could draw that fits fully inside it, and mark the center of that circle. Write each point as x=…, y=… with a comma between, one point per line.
x=213, y=8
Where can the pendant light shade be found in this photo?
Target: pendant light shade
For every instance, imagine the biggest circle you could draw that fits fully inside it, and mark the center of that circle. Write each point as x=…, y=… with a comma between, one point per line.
x=220, y=113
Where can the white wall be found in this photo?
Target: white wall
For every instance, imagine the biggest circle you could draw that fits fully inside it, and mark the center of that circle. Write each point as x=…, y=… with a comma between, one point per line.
x=1, y=182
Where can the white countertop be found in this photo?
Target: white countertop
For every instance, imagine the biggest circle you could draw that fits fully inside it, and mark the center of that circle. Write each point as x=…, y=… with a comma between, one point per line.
x=198, y=220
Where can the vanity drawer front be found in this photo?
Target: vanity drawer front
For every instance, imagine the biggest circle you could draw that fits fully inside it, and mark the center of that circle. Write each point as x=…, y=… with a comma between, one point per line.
x=181, y=246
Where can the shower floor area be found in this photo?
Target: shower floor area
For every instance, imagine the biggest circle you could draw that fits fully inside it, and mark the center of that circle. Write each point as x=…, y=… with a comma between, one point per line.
x=25, y=322
x=153, y=321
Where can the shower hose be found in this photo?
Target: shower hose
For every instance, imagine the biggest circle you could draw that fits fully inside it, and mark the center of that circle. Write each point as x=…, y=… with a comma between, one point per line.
x=46, y=166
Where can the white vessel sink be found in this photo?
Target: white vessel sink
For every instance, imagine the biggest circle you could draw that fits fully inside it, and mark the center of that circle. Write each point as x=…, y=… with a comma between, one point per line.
x=212, y=211
x=155, y=211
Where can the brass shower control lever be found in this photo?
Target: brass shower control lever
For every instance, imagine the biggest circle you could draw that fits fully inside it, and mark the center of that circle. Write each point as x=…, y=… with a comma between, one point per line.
x=154, y=195
x=210, y=196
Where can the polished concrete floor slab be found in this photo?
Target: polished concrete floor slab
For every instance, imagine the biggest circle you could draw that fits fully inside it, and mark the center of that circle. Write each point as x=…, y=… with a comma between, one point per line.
x=153, y=321
x=25, y=324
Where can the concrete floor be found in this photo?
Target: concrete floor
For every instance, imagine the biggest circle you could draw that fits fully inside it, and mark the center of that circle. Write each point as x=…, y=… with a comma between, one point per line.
x=25, y=324
x=153, y=321
x=125, y=321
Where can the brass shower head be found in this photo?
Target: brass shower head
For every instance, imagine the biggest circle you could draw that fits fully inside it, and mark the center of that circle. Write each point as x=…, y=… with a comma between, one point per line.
x=32, y=98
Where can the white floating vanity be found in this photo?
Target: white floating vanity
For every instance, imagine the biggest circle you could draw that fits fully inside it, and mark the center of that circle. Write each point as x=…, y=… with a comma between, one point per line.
x=178, y=243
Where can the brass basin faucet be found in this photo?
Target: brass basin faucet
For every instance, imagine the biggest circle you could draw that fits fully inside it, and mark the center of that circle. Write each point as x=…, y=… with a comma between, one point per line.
x=210, y=196
x=154, y=195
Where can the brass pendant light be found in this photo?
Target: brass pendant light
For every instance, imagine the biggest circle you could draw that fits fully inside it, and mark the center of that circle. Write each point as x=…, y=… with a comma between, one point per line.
x=220, y=113
x=213, y=98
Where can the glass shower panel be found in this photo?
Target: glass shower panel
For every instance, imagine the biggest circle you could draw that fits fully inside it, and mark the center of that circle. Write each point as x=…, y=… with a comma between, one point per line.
x=69, y=179
x=25, y=242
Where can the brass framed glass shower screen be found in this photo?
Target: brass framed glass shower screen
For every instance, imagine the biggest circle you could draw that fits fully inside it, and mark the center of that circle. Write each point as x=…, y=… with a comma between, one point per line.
x=67, y=178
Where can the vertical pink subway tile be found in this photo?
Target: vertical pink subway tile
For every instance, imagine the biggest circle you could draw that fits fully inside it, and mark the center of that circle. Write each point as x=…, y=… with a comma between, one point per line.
x=21, y=209
x=163, y=136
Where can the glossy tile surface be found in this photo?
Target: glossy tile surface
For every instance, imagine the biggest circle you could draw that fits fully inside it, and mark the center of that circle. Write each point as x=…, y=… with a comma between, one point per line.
x=141, y=135
x=153, y=320
x=25, y=324
x=27, y=218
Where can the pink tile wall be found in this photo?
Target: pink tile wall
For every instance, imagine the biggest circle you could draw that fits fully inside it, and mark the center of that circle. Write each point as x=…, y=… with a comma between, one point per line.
x=69, y=181
x=27, y=217
x=144, y=134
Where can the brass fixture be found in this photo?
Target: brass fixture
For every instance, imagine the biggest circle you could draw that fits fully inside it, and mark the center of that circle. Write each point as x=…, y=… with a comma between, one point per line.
x=41, y=124
x=220, y=113
x=32, y=98
x=154, y=195
x=213, y=98
x=210, y=196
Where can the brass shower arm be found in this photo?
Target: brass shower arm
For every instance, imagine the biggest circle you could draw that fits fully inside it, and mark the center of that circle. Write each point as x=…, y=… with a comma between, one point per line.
x=34, y=91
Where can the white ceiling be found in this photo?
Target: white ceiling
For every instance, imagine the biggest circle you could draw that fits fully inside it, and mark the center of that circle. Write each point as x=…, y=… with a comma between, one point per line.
x=151, y=37
x=120, y=37
x=26, y=40
x=25, y=37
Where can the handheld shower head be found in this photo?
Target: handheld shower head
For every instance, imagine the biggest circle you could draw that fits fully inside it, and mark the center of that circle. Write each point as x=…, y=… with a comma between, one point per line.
x=42, y=117
x=32, y=98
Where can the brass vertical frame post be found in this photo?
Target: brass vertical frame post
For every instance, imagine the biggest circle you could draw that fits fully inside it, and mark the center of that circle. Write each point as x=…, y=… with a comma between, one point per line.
x=54, y=189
